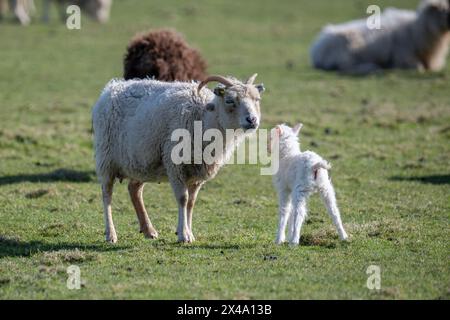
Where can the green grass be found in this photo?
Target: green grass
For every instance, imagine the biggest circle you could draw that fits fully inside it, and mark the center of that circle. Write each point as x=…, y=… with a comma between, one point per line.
x=387, y=136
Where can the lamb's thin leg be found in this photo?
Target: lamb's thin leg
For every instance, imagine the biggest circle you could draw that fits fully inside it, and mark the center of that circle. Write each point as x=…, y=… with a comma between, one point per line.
x=182, y=196
x=107, y=190
x=329, y=199
x=193, y=192
x=299, y=199
x=135, y=189
x=290, y=224
x=284, y=199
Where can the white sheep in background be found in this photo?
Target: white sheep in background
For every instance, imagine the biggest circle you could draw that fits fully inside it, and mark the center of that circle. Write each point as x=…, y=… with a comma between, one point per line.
x=406, y=40
x=300, y=174
x=133, y=122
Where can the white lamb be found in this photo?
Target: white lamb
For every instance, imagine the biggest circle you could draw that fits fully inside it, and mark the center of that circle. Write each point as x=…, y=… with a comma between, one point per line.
x=300, y=174
x=406, y=39
x=133, y=122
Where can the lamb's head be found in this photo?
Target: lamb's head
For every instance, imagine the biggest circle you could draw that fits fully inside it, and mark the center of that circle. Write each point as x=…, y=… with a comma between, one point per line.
x=436, y=11
x=236, y=103
x=286, y=137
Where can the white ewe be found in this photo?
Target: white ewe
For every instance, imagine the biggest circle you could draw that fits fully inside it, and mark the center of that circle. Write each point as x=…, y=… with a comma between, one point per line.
x=133, y=122
x=406, y=40
x=299, y=175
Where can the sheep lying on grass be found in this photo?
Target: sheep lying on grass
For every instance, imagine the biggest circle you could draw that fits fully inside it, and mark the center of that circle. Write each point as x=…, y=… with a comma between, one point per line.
x=299, y=175
x=406, y=40
x=133, y=122
x=163, y=55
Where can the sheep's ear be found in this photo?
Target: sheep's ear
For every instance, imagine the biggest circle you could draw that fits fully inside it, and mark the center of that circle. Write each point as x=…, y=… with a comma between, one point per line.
x=219, y=91
x=260, y=87
x=210, y=106
x=297, y=128
x=251, y=79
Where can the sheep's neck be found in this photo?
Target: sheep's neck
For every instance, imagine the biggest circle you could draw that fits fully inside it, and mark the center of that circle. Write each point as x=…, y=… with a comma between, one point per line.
x=210, y=121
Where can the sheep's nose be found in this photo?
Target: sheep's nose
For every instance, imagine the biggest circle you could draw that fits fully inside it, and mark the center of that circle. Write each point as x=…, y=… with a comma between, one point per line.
x=252, y=120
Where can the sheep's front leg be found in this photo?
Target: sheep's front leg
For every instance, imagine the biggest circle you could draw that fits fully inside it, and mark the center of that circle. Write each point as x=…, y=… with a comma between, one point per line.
x=193, y=192
x=299, y=212
x=107, y=190
x=136, y=189
x=284, y=213
x=182, y=196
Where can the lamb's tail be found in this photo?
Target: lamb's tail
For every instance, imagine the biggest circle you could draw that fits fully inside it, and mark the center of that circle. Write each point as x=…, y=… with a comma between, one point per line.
x=320, y=165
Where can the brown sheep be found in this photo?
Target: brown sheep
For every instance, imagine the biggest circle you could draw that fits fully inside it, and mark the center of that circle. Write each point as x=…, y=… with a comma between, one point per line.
x=164, y=55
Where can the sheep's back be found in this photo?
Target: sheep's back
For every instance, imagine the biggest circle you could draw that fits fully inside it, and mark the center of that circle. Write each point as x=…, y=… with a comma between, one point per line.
x=135, y=119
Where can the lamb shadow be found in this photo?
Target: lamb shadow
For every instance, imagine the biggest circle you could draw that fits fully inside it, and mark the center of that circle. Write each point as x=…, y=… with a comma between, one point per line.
x=67, y=175
x=432, y=179
x=10, y=247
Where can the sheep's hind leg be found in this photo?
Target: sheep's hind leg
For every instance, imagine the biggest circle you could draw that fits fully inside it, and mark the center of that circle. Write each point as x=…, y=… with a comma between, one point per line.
x=107, y=190
x=284, y=215
x=193, y=192
x=136, y=189
x=290, y=224
x=299, y=212
x=329, y=199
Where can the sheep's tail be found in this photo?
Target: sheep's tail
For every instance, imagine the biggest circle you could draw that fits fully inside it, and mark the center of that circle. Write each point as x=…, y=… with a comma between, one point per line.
x=320, y=165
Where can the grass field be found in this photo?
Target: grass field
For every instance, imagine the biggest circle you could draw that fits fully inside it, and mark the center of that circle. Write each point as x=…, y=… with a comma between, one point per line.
x=387, y=136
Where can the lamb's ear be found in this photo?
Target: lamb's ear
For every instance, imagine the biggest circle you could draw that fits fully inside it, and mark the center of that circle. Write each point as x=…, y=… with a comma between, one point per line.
x=260, y=87
x=279, y=130
x=297, y=128
x=219, y=91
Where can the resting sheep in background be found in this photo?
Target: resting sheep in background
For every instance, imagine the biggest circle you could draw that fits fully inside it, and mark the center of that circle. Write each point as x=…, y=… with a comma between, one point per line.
x=299, y=175
x=163, y=55
x=407, y=40
x=133, y=122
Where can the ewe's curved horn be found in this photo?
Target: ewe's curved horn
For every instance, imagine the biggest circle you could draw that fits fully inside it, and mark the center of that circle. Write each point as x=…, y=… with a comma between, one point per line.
x=251, y=79
x=219, y=79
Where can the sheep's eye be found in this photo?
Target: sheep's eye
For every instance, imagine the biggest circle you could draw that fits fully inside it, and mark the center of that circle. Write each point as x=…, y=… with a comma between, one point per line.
x=229, y=101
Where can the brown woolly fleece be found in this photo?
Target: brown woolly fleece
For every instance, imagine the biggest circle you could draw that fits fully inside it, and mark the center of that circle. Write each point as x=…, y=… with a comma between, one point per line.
x=164, y=55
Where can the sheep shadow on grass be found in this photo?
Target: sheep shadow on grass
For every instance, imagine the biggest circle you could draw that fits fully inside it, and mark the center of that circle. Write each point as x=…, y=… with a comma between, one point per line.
x=66, y=175
x=13, y=247
x=431, y=179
